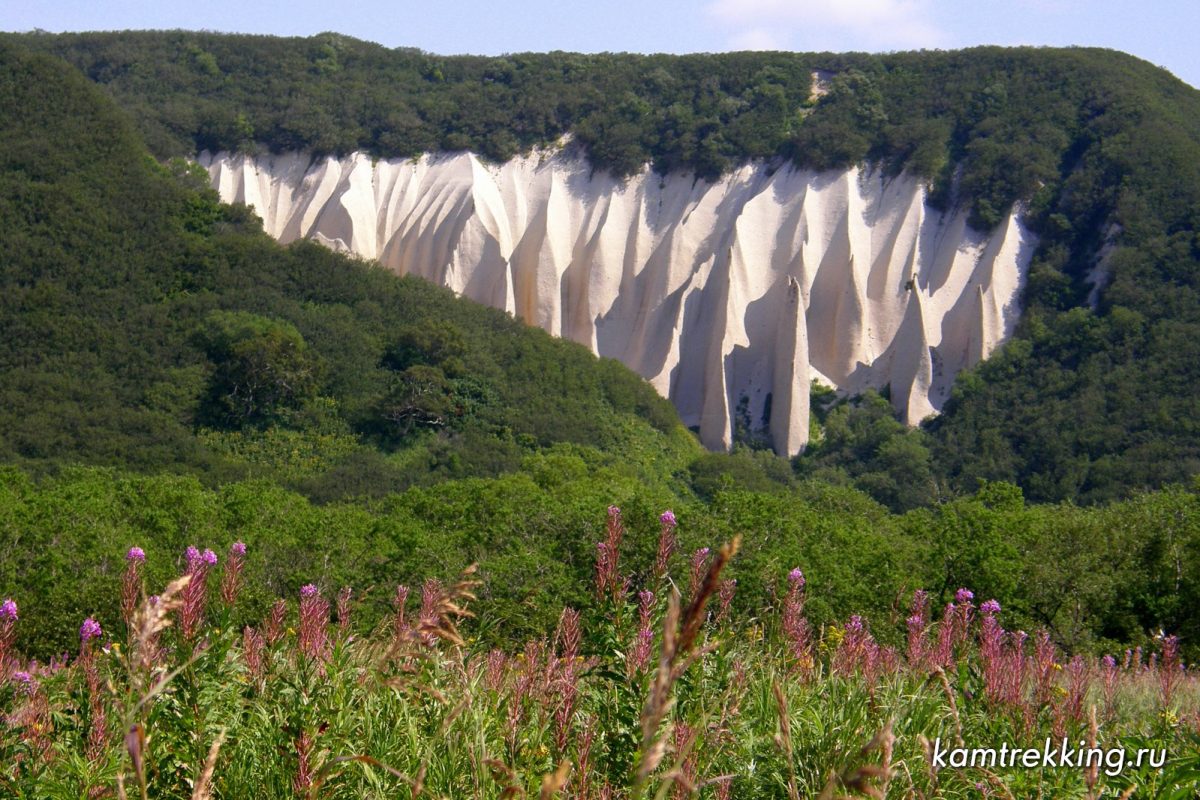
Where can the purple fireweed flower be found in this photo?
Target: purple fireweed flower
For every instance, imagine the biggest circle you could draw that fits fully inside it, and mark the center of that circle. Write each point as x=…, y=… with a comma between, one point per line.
x=725, y=594
x=1108, y=673
x=608, y=581
x=90, y=629
x=25, y=682
x=314, y=616
x=796, y=578
x=231, y=581
x=195, y=594
x=494, y=670
x=855, y=624
x=990, y=607
x=699, y=565
x=645, y=603
x=666, y=544
x=643, y=642
x=273, y=626
x=918, y=630
x=963, y=596
x=152, y=599
x=253, y=647
x=131, y=583
x=8, y=609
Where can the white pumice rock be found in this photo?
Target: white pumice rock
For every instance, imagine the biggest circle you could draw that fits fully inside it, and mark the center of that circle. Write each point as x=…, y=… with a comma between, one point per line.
x=747, y=287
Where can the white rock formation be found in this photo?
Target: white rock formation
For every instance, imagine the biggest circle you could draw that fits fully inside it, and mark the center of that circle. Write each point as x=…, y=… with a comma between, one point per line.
x=749, y=287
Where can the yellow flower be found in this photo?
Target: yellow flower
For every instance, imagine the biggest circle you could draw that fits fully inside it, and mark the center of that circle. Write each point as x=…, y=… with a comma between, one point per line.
x=291, y=631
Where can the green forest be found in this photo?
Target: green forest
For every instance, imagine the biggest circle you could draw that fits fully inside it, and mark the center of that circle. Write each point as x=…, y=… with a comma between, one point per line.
x=1086, y=404
x=168, y=372
x=459, y=557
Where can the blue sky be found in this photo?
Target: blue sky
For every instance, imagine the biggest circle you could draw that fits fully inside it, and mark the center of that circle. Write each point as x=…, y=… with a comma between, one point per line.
x=1163, y=32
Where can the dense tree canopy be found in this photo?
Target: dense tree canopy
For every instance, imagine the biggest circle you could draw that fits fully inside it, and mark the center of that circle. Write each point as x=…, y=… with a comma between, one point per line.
x=149, y=329
x=1095, y=397
x=147, y=325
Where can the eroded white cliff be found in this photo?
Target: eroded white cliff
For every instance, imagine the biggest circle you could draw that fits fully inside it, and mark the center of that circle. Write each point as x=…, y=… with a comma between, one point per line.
x=749, y=287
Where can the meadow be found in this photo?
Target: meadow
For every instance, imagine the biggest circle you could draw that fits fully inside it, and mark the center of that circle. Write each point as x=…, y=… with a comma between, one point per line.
x=660, y=688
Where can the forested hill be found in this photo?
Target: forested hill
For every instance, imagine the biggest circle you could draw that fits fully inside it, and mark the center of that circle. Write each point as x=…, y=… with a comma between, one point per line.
x=1004, y=118
x=1096, y=396
x=147, y=326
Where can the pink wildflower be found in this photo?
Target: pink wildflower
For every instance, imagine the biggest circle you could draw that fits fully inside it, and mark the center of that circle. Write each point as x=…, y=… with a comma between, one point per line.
x=725, y=592
x=90, y=629
x=699, y=567
x=314, y=617
x=918, y=631
x=195, y=593
x=493, y=675
x=305, y=769
x=567, y=682
x=666, y=544
x=131, y=583
x=795, y=625
x=609, y=582
x=1108, y=674
x=8, y=630
x=253, y=653
x=273, y=627
x=643, y=643
x=231, y=581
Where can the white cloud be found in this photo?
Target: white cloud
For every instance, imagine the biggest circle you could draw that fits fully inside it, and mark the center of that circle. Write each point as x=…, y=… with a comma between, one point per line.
x=829, y=24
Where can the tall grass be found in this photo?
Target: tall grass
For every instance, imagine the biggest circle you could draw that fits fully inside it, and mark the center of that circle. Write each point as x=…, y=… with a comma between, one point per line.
x=662, y=693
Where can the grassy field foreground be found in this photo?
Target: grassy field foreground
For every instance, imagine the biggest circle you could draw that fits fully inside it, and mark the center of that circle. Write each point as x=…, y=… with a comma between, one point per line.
x=663, y=692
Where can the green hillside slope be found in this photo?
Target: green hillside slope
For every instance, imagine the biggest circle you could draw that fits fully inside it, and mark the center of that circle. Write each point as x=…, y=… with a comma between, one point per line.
x=1104, y=150
x=149, y=327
